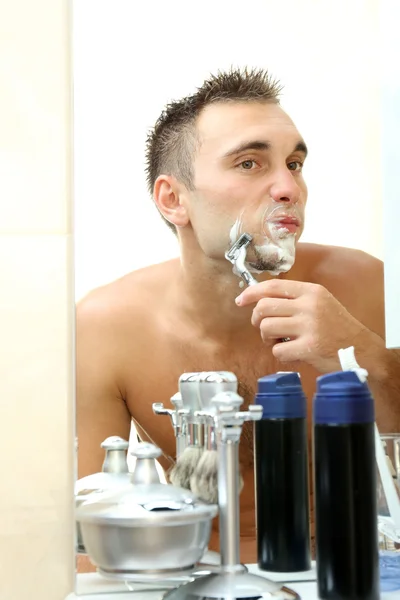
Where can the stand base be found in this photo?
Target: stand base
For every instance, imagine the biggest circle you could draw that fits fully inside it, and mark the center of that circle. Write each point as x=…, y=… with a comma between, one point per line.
x=231, y=586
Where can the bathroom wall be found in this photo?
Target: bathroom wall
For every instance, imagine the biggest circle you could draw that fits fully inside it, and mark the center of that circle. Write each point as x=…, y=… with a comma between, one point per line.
x=324, y=52
x=36, y=301
x=129, y=63
x=390, y=76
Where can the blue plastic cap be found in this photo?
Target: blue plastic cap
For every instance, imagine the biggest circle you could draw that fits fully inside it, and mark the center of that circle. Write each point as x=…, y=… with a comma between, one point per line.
x=282, y=397
x=341, y=399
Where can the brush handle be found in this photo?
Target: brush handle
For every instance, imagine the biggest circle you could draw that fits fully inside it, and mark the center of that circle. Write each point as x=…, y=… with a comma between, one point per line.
x=228, y=426
x=228, y=494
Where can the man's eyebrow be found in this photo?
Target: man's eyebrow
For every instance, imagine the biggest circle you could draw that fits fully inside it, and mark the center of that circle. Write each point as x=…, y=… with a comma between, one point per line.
x=252, y=145
x=262, y=145
x=301, y=147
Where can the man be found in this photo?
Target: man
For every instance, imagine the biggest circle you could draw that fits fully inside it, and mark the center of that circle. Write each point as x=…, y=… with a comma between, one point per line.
x=221, y=162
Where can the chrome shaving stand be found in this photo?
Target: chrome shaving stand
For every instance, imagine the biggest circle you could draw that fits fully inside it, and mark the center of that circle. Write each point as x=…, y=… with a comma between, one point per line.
x=193, y=426
x=232, y=579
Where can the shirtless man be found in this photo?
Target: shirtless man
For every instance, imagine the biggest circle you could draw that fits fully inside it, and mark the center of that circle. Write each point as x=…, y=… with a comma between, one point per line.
x=226, y=160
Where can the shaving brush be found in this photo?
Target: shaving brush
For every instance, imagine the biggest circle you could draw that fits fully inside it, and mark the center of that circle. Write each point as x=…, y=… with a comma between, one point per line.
x=188, y=448
x=204, y=478
x=192, y=431
x=181, y=473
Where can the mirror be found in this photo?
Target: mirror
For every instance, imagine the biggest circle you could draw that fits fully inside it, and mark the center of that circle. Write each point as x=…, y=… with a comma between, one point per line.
x=128, y=64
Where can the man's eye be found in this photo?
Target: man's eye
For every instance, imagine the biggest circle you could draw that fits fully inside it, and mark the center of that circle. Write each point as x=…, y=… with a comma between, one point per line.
x=295, y=165
x=247, y=164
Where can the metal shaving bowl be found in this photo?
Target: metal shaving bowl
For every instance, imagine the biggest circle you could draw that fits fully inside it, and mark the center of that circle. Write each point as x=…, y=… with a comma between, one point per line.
x=114, y=475
x=145, y=530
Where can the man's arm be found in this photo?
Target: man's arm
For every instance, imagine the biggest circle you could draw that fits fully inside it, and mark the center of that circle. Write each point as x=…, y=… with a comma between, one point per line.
x=383, y=368
x=100, y=408
x=382, y=364
x=344, y=306
x=356, y=279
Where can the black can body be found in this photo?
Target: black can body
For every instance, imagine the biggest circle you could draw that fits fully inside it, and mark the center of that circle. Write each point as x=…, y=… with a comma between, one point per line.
x=345, y=511
x=281, y=475
x=282, y=495
x=345, y=489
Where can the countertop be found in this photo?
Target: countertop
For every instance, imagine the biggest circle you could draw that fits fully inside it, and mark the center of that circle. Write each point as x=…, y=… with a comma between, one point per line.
x=93, y=586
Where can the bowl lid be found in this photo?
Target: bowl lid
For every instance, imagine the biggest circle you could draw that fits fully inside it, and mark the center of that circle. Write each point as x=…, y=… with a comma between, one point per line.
x=145, y=505
x=101, y=482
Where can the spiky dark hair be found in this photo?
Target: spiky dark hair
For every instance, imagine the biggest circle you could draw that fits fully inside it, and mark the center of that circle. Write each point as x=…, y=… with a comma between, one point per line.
x=171, y=143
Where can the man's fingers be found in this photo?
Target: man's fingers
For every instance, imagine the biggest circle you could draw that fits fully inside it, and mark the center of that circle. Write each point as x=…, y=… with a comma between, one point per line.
x=277, y=328
x=274, y=288
x=290, y=351
x=272, y=307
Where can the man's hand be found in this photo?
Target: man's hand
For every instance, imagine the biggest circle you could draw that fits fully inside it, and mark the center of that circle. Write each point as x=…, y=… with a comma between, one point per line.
x=316, y=323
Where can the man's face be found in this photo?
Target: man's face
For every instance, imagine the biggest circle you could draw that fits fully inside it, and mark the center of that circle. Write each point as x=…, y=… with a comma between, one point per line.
x=247, y=177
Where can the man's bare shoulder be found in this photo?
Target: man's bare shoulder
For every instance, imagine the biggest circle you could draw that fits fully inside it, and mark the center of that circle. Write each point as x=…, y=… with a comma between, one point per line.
x=132, y=295
x=326, y=265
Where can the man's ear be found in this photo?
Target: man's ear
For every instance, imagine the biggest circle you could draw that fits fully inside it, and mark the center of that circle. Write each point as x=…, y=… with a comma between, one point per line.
x=168, y=199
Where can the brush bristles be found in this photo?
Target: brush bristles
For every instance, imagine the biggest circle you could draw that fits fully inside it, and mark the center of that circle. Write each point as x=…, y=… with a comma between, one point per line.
x=204, y=480
x=197, y=470
x=184, y=467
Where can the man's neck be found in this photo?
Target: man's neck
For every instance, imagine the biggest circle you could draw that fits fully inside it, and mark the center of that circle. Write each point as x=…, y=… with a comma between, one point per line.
x=204, y=294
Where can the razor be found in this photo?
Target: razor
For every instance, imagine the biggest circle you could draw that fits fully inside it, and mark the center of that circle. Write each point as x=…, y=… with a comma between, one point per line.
x=237, y=256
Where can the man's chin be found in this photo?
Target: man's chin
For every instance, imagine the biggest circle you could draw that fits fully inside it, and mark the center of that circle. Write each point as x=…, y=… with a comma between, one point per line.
x=273, y=265
x=273, y=270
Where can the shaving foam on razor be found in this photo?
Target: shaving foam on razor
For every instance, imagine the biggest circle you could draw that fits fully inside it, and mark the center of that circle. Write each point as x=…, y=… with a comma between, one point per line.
x=237, y=256
x=388, y=527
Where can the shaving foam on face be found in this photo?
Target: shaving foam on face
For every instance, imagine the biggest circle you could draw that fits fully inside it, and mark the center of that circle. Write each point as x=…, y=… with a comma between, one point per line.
x=274, y=246
x=236, y=229
x=280, y=249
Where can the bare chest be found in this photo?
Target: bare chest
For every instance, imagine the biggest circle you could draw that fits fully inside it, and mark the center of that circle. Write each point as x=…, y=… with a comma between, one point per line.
x=155, y=376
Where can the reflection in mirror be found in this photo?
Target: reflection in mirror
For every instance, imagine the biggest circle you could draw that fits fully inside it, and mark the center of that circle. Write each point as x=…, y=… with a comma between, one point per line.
x=156, y=293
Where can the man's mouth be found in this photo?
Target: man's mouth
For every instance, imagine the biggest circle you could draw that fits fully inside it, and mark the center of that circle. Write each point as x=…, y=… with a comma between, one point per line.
x=291, y=224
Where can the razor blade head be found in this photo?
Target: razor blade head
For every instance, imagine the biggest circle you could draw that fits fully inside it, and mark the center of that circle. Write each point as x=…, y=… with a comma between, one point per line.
x=243, y=242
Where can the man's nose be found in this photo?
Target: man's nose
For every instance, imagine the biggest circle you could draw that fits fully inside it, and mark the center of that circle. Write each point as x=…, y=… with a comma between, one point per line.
x=285, y=188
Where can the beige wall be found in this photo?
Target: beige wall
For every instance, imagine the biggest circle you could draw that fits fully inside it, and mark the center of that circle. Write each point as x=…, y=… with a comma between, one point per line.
x=36, y=307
